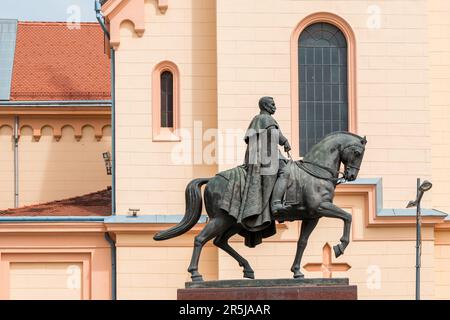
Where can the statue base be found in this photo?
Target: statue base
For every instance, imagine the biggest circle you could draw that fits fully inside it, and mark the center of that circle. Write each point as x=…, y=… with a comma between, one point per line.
x=270, y=289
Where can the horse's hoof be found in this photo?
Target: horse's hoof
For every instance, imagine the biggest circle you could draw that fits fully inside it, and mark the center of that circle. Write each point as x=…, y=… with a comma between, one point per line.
x=337, y=250
x=249, y=274
x=298, y=275
x=197, y=278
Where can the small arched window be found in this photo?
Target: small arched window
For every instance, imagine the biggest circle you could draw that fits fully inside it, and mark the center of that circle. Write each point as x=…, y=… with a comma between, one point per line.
x=166, y=99
x=165, y=102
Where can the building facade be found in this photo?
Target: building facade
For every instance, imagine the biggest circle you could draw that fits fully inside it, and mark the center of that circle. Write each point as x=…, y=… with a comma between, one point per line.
x=189, y=74
x=54, y=127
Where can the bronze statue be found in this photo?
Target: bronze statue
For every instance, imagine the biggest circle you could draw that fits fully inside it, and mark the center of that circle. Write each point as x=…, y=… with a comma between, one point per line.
x=237, y=200
x=264, y=181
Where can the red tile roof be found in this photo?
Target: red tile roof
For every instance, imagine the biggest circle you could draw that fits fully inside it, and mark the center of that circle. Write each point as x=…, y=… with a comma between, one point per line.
x=92, y=204
x=53, y=62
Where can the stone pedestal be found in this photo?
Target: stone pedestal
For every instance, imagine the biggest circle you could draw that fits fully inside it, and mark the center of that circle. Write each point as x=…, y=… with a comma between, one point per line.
x=270, y=289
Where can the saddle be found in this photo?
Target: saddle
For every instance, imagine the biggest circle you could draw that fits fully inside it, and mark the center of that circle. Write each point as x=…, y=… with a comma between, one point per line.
x=232, y=197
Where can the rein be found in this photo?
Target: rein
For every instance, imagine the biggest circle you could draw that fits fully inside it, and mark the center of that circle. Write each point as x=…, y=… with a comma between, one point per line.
x=335, y=181
x=333, y=173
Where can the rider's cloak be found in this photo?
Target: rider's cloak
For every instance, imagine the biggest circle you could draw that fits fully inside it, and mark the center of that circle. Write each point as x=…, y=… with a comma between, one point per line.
x=249, y=188
x=255, y=208
x=262, y=141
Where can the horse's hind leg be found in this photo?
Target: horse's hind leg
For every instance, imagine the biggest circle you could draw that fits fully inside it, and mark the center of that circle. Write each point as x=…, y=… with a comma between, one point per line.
x=213, y=228
x=222, y=242
x=307, y=227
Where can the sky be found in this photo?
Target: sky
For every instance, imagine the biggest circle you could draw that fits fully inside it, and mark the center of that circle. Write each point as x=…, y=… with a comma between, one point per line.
x=48, y=10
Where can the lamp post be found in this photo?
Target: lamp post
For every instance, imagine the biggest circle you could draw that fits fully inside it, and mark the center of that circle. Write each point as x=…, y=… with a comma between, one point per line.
x=421, y=189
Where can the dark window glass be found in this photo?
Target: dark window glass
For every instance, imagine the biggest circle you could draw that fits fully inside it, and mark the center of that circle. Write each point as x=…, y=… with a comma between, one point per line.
x=323, y=84
x=166, y=99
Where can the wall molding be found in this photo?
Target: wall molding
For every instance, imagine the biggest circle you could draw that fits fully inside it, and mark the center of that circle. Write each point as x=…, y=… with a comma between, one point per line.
x=376, y=215
x=160, y=133
x=57, y=123
x=42, y=227
x=118, y=11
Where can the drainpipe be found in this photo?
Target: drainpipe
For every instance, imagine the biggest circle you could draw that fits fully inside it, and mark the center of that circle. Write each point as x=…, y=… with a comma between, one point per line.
x=99, y=16
x=113, y=131
x=16, y=161
x=100, y=20
x=113, y=266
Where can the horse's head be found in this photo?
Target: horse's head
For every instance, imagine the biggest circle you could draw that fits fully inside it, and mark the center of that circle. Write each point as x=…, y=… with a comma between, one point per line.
x=351, y=156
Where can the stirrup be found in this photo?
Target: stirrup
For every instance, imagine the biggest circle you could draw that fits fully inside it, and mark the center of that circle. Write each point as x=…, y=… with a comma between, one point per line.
x=278, y=208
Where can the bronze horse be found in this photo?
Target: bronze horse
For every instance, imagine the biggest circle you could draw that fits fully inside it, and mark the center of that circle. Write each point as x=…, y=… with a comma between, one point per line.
x=316, y=175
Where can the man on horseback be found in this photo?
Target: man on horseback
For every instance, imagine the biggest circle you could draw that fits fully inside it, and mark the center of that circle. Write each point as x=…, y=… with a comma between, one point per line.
x=237, y=200
x=267, y=174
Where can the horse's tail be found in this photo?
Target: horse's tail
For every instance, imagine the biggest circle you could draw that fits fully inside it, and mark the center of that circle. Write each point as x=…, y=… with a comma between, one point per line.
x=193, y=197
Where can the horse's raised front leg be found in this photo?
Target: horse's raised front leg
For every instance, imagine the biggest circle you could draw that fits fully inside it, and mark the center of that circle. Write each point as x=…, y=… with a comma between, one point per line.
x=328, y=209
x=214, y=227
x=307, y=227
x=222, y=242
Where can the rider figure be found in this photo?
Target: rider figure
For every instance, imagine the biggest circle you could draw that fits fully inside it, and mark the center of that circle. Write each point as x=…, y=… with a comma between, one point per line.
x=264, y=123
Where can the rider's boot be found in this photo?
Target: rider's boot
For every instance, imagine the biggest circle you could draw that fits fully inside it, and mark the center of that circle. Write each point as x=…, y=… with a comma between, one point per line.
x=279, y=189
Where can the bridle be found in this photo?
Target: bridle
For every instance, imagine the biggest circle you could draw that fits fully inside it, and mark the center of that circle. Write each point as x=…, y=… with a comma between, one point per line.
x=349, y=146
x=353, y=167
x=334, y=178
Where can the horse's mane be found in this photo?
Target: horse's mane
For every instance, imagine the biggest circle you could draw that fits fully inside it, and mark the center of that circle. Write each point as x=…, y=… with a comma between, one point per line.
x=328, y=136
x=343, y=132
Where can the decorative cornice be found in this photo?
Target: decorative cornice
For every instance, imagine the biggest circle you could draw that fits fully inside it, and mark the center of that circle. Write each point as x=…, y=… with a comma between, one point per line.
x=26, y=110
x=118, y=11
x=145, y=223
x=445, y=225
x=149, y=219
x=63, y=104
x=58, y=122
x=147, y=228
x=163, y=5
x=67, y=226
x=376, y=215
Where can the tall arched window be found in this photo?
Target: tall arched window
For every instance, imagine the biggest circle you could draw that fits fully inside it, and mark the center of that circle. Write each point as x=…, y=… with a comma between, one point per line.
x=166, y=99
x=323, y=83
x=165, y=102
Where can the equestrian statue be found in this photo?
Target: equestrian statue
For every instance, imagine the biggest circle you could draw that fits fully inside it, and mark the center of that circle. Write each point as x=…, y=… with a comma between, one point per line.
x=249, y=199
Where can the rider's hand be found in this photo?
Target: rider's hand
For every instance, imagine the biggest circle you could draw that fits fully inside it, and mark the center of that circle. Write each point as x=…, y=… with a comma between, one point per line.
x=287, y=147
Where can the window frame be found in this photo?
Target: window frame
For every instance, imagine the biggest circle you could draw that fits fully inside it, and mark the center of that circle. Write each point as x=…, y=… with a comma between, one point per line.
x=345, y=28
x=326, y=98
x=165, y=133
x=169, y=94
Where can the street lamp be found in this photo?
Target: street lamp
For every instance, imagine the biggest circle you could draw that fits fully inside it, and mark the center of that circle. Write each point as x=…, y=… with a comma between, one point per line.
x=421, y=189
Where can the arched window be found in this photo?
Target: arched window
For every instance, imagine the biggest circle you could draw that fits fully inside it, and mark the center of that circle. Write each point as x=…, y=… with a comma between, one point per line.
x=166, y=99
x=323, y=83
x=323, y=79
x=165, y=102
